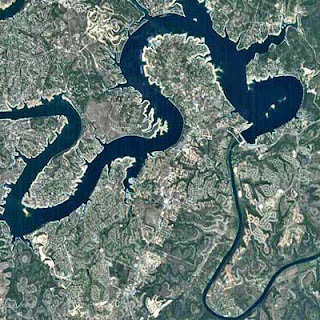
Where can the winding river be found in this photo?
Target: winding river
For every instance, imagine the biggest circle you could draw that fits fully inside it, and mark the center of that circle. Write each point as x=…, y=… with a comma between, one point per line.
x=284, y=92
x=11, y=11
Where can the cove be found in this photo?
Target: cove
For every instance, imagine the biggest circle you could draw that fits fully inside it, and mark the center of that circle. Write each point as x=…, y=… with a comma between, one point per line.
x=133, y=146
x=279, y=97
x=12, y=10
x=284, y=92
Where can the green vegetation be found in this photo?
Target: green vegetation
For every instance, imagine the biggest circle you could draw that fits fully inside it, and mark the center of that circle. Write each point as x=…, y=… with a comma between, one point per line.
x=150, y=252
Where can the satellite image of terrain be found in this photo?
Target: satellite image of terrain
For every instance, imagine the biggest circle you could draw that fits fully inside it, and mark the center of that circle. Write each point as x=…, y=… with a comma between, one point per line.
x=160, y=159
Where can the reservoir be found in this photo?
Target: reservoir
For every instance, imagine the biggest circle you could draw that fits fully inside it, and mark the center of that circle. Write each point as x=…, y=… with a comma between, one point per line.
x=283, y=93
x=12, y=10
x=267, y=105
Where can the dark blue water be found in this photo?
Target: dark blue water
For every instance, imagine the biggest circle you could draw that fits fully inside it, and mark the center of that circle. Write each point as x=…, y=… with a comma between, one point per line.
x=12, y=10
x=232, y=250
x=134, y=146
x=283, y=93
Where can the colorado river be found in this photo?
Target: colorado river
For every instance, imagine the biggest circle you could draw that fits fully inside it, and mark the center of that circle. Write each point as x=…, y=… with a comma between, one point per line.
x=283, y=93
x=234, y=247
x=12, y=10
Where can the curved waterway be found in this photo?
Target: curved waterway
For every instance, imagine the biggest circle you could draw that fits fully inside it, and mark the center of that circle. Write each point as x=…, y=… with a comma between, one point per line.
x=280, y=97
x=12, y=10
x=234, y=247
